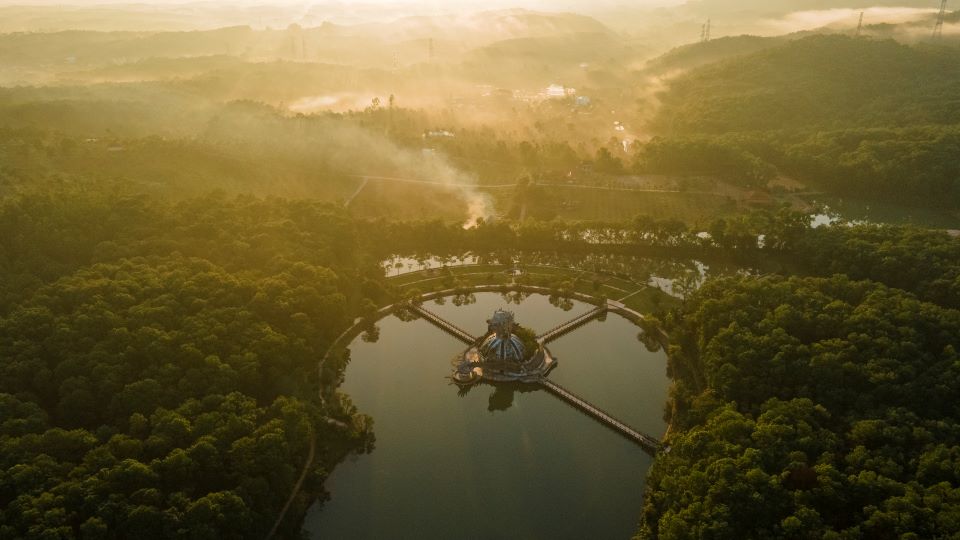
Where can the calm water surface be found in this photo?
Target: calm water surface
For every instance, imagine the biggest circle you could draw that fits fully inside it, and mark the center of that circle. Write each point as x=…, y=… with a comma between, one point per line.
x=497, y=462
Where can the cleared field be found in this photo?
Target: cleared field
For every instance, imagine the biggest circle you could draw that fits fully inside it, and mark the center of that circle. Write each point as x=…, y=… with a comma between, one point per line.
x=404, y=201
x=409, y=200
x=585, y=204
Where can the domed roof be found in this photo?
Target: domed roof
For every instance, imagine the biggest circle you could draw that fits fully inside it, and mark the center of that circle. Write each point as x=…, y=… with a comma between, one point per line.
x=499, y=348
x=501, y=345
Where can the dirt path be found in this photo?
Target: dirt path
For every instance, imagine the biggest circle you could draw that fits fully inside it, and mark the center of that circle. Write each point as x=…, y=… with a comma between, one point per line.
x=350, y=199
x=296, y=487
x=502, y=186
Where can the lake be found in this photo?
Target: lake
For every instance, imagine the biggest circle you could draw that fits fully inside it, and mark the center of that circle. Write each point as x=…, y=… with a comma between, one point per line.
x=495, y=462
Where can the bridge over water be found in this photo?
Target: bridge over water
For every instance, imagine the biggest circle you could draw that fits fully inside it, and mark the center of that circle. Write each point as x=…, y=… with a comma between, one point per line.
x=571, y=325
x=444, y=324
x=648, y=443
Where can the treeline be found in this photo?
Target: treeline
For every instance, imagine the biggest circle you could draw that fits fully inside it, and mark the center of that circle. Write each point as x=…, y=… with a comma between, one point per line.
x=914, y=164
x=809, y=408
x=922, y=261
x=781, y=230
x=822, y=81
x=160, y=361
x=897, y=164
x=731, y=160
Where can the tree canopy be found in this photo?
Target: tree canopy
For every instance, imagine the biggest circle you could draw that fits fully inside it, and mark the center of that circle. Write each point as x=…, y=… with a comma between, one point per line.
x=809, y=408
x=159, y=373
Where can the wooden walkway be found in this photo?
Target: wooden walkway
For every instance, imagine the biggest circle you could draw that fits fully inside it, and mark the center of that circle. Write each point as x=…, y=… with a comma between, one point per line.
x=650, y=444
x=444, y=324
x=572, y=325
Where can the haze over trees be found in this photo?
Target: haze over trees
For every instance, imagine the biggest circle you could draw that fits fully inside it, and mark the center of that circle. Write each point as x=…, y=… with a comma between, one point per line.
x=193, y=211
x=863, y=117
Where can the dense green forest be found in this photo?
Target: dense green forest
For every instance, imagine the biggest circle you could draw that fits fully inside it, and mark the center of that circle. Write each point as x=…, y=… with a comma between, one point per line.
x=699, y=54
x=865, y=83
x=159, y=361
x=809, y=408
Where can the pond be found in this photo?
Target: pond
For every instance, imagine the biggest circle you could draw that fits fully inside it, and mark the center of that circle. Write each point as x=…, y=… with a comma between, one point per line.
x=856, y=211
x=495, y=462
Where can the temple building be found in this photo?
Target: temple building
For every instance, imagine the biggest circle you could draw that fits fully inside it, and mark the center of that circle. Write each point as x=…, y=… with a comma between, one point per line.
x=501, y=356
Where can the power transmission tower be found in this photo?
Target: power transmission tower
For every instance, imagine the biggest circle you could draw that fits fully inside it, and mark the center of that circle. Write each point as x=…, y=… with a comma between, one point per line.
x=938, y=28
x=860, y=25
x=705, y=32
x=707, y=37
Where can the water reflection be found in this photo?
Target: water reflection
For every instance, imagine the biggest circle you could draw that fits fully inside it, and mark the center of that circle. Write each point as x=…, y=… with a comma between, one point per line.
x=371, y=334
x=501, y=399
x=561, y=302
x=650, y=340
x=463, y=299
x=675, y=277
x=858, y=211
x=514, y=297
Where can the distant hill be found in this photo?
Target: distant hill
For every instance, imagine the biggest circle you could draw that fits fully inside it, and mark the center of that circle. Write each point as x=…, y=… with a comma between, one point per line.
x=918, y=30
x=779, y=7
x=481, y=28
x=698, y=54
x=818, y=81
x=569, y=49
x=406, y=40
x=83, y=48
x=585, y=58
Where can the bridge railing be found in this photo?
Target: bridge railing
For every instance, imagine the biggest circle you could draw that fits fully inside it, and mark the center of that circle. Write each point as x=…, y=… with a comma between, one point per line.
x=561, y=329
x=444, y=324
x=648, y=442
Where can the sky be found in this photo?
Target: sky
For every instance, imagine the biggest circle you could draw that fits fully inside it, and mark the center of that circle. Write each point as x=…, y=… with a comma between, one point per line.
x=730, y=17
x=445, y=5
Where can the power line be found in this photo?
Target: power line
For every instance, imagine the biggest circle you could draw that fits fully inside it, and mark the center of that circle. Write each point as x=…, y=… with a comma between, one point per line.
x=938, y=27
